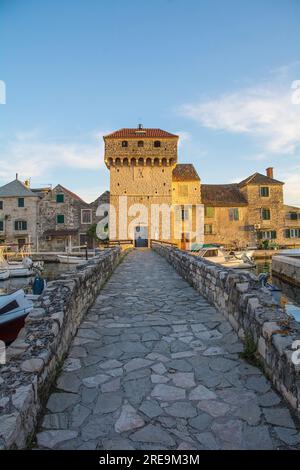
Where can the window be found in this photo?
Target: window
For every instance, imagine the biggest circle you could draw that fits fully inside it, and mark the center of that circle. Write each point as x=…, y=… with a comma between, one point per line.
x=234, y=214
x=21, y=202
x=60, y=198
x=140, y=143
x=265, y=214
x=208, y=229
x=184, y=214
x=293, y=216
x=60, y=219
x=1, y=205
x=20, y=225
x=86, y=216
x=1, y=225
x=292, y=233
x=183, y=190
x=124, y=143
x=209, y=212
x=264, y=191
x=157, y=143
x=267, y=235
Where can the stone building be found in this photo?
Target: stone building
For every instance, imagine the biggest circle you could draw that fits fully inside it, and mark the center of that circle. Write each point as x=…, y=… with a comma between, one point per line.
x=18, y=215
x=143, y=165
x=144, y=171
x=64, y=220
x=249, y=212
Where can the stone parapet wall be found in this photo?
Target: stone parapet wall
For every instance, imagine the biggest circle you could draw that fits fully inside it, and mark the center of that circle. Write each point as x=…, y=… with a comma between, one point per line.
x=34, y=358
x=252, y=313
x=287, y=268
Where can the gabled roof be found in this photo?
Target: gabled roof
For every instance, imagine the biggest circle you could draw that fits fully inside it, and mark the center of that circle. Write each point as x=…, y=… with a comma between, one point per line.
x=143, y=133
x=71, y=194
x=16, y=189
x=258, y=178
x=103, y=199
x=222, y=195
x=185, y=172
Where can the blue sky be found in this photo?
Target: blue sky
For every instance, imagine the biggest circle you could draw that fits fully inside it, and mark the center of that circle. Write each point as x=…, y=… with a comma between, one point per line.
x=218, y=72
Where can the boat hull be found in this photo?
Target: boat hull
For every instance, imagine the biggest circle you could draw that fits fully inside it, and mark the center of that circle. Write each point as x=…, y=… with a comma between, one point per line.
x=70, y=260
x=10, y=330
x=4, y=275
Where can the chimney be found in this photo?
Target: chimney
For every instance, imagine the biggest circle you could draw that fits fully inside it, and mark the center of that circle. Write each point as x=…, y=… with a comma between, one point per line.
x=269, y=172
x=17, y=176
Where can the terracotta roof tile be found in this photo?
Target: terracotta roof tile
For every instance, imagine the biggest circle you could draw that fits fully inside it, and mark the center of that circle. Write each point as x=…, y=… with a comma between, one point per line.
x=258, y=178
x=129, y=133
x=222, y=195
x=185, y=172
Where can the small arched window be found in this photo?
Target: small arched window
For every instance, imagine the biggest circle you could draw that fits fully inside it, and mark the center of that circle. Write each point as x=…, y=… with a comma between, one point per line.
x=157, y=143
x=140, y=143
x=124, y=143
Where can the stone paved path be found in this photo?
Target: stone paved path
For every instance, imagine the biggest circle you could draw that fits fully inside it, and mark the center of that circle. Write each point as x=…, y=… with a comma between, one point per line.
x=155, y=366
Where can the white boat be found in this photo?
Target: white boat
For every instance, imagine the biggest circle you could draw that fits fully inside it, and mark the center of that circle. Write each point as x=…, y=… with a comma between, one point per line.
x=216, y=255
x=68, y=259
x=4, y=274
x=14, y=308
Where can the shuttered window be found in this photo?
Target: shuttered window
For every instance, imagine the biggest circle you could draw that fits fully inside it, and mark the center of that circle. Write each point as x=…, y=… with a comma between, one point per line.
x=1, y=225
x=209, y=212
x=60, y=219
x=60, y=198
x=234, y=214
x=20, y=225
x=265, y=214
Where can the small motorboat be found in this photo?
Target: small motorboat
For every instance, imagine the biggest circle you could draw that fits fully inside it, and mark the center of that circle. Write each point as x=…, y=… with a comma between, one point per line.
x=14, y=308
x=69, y=259
x=216, y=255
x=22, y=268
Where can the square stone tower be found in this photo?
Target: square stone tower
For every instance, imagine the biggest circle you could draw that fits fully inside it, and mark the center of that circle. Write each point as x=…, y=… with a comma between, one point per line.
x=140, y=162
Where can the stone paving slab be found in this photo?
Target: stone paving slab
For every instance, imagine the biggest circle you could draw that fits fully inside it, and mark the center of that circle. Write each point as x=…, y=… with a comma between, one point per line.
x=155, y=366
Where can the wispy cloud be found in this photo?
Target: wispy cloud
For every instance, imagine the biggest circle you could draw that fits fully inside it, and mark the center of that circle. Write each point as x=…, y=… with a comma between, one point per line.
x=265, y=112
x=34, y=155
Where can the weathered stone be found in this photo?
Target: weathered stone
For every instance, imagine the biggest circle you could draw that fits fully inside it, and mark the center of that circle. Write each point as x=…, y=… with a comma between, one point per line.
x=269, y=399
x=151, y=408
x=213, y=408
x=128, y=420
x=117, y=444
x=111, y=386
x=110, y=364
x=56, y=421
x=257, y=438
x=249, y=412
x=159, y=379
x=95, y=381
x=181, y=410
x=290, y=437
x=259, y=384
x=107, y=403
x=201, y=422
x=71, y=364
x=208, y=440
x=279, y=417
x=69, y=383
x=202, y=393
x=153, y=434
x=61, y=401
x=32, y=365
x=159, y=369
x=183, y=379
x=168, y=393
x=50, y=439
x=137, y=363
x=79, y=415
x=230, y=432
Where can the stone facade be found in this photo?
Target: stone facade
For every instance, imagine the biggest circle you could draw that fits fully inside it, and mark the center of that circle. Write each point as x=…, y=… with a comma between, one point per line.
x=251, y=311
x=236, y=215
x=18, y=215
x=64, y=219
x=141, y=164
x=34, y=358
